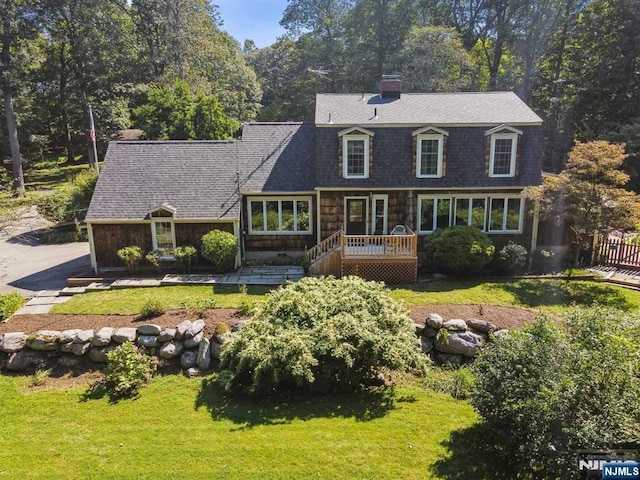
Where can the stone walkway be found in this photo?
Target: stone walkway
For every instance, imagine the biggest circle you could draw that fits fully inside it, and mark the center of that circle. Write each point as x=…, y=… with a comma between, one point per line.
x=44, y=301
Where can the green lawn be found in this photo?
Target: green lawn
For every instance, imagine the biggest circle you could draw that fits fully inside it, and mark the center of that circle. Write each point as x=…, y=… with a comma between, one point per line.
x=184, y=428
x=552, y=296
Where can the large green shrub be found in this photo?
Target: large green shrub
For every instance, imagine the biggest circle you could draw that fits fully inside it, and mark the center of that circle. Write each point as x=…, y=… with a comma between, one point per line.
x=131, y=256
x=545, y=394
x=459, y=250
x=128, y=369
x=71, y=201
x=220, y=248
x=9, y=304
x=511, y=259
x=320, y=334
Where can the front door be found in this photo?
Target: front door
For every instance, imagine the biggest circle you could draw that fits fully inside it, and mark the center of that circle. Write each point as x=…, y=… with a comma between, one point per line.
x=355, y=216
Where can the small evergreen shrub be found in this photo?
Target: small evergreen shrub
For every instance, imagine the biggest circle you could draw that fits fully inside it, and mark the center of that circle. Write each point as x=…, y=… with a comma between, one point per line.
x=185, y=257
x=131, y=256
x=9, y=304
x=543, y=261
x=128, y=369
x=154, y=258
x=152, y=308
x=220, y=248
x=459, y=250
x=511, y=259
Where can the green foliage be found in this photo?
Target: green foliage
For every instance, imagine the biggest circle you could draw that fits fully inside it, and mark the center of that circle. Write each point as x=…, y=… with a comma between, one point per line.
x=455, y=382
x=9, y=304
x=459, y=250
x=511, y=259
x=544, y=261
x=320, y=334
x=70, y=201
x=128, y=369
x=131, y=256
x=544, y=393
x=186, y=257
x=220, y=248
x=40, y=377
x=152, y=308
x=154, y=257
x=175, y=112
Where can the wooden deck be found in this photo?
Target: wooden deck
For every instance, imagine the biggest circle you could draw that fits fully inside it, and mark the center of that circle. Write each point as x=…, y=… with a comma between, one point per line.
x=386, y=258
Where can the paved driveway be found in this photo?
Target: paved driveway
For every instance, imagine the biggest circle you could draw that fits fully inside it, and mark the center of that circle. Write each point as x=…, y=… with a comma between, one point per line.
x=27, y=266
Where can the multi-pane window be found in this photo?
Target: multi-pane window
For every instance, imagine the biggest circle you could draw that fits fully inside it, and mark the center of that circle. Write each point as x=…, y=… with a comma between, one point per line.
x=292, y=215
x=491, y=214
x=505, y=214
x=356, y=156
x=503, y=154
x=429, y=155
x=163, y=238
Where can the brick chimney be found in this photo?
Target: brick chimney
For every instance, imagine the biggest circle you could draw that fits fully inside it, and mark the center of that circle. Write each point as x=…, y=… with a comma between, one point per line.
x=390, y=86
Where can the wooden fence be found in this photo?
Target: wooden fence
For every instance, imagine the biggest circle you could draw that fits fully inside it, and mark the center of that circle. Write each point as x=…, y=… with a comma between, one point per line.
x=616, y=252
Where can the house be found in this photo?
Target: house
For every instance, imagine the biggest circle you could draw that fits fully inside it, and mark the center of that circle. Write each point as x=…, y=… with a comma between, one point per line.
x=333, y=190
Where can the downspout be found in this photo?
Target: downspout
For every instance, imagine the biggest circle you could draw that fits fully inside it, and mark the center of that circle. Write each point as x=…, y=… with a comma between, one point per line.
x=238, y=226
x=318, y=232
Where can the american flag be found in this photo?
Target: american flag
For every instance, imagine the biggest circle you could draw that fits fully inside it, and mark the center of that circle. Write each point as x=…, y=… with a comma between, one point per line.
x=92, y=127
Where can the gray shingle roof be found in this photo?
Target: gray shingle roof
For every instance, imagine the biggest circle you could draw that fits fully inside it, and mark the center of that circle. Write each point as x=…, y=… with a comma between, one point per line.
x=199, y=178
x=467, y=108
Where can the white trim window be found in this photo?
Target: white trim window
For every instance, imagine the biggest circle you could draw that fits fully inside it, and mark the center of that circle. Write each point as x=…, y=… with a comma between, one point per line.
x=429, y=155
x=433, y=213
x=470, y=211
x=379, y=214
x=503, y=151
x=505, y=214
x=355, y=156
x=163, y=236
x=275, y=215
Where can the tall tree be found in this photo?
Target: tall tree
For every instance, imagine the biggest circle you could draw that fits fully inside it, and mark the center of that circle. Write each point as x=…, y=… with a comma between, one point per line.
x=589, y=193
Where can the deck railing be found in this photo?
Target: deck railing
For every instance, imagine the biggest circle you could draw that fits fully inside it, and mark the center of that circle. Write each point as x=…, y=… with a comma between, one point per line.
x=379, y=245
x=327, y=245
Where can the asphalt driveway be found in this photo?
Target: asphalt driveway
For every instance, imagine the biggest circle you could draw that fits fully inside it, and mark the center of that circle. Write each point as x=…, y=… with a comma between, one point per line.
x=28, y=266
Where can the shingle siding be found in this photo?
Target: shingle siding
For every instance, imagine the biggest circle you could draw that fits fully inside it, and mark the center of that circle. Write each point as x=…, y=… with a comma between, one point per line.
x=394, y=165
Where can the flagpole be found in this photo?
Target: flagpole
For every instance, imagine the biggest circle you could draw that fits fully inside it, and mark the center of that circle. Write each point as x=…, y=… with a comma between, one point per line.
x=92, y=136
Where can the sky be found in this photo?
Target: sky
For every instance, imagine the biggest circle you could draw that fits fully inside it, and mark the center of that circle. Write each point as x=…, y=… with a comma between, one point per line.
x=258, y=20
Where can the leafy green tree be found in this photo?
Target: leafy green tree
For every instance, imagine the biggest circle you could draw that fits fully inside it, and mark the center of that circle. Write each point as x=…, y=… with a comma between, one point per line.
x=320, y=334
x=543, y=394
x=433, y=59
x=589, y=193
x=175, y=112
x=221, y=249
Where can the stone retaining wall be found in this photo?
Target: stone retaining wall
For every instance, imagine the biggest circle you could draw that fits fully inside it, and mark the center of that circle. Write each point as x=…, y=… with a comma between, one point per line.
x=452, y=342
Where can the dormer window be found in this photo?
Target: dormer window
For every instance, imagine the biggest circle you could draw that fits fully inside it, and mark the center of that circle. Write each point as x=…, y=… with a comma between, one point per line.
x=503, y=151
x=429, y=150
x=356, y=148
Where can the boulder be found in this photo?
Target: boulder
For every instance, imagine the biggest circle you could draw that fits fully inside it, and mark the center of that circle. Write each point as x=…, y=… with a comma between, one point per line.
x=191, y=342
x=193, y=372
x=75, y=348
x=83, y=336
x=204, y=354
x=148, y=341
x=455, y=325
x=481, y=326
x=195, y=328
x=68, y=361
x=221, y=338
x=99, y=354
x=434, y=320
x=426, y=344
x=239, y=325
x=461, y=343
x=124, y=334
x=149, y=329
x=448, y=359
x=68, y=336
x=171, y=349
x=44, y=340
x=188, y=359
x=182, y=328
x=25, y=359
x=13, y=342
x=166, y=335
x=418, y=328
x=429, y=332
x=102, y=338
x=215, y=348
